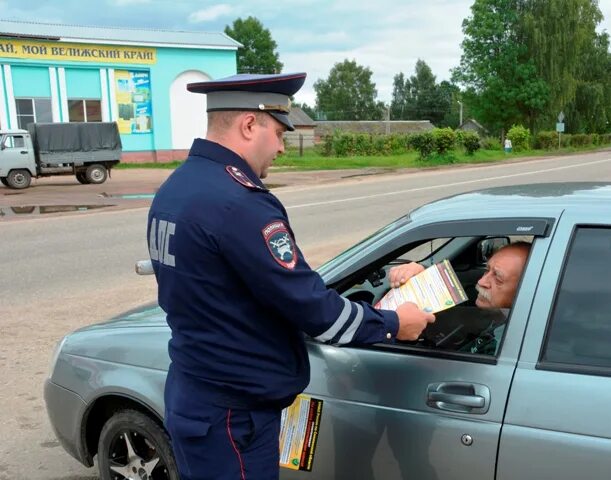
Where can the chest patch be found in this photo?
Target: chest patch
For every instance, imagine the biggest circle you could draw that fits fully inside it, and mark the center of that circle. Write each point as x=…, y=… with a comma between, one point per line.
x=280, y=244
x=241, y=177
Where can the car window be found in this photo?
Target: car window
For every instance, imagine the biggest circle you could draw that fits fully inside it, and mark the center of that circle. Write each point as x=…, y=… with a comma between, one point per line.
x=465, y=328
x=579, y=332
x=14, y=141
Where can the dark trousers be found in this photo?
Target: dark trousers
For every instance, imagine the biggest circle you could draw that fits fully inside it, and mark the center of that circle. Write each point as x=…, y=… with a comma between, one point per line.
x=225, y=444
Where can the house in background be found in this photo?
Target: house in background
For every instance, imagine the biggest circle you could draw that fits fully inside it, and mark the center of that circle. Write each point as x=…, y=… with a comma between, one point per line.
x=472, y=125
x=304, y=129
x=374, y=127
x=135, y=77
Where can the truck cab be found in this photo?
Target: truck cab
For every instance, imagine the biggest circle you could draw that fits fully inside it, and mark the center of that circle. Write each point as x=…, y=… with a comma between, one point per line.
x=17, y=158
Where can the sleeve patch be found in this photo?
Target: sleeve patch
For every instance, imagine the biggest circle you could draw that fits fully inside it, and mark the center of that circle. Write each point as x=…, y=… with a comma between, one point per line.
x=242, y=178
x=280, y=244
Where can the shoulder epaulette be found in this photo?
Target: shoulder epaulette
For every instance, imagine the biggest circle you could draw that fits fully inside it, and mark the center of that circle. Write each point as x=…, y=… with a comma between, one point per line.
x=242, y=178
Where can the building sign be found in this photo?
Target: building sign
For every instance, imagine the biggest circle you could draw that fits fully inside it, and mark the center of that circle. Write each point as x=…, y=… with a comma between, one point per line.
x=133, y=94
x=76, y=52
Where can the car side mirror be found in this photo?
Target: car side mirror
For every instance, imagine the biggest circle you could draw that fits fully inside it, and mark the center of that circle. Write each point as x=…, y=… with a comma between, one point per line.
x=2, y=147
x=487, y=247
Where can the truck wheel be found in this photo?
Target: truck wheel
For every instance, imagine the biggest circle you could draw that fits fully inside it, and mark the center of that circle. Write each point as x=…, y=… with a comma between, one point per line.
x=80, y=176
x=96, y=174
x=4, y=182
x=19, y=179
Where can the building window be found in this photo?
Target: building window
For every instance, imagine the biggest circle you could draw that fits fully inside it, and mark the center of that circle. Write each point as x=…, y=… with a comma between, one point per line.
x=33, y=110
x=84, y=110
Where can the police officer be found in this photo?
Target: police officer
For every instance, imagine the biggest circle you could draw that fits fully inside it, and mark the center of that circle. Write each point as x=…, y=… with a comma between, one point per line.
x=238, y=292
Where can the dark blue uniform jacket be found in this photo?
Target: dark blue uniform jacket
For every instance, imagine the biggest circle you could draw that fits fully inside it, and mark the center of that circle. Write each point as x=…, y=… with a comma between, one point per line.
x=236, y=289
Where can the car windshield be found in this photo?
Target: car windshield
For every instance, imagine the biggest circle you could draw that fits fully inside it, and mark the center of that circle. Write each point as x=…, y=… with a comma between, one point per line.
x=370, y=240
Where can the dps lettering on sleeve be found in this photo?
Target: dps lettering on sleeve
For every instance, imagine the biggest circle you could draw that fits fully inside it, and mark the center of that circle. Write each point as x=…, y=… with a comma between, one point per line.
x=159, y=241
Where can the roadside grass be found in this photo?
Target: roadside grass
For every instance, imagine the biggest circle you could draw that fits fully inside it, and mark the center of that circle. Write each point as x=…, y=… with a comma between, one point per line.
x=313, y=160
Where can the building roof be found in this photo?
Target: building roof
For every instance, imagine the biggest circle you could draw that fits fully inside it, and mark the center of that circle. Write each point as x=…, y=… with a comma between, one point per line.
x=116, y=35
x=299, y=118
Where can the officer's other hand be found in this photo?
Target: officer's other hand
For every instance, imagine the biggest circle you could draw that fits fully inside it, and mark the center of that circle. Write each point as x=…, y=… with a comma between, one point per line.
x=412, y=321
x=400, y=274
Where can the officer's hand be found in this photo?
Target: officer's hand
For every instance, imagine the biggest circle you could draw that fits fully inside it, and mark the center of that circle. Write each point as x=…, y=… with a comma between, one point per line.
x=400, y=274
x=412, y=321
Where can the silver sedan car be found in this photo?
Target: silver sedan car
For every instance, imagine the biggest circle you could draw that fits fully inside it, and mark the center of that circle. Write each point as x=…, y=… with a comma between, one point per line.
x=534, y=406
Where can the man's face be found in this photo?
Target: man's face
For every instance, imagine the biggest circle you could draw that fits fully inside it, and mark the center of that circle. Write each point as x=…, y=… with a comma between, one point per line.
x=268, y=143
x=497, y=287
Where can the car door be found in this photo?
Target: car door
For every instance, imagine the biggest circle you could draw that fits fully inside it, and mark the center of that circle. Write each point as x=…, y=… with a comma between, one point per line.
x=14, y=154
x=400, y=412
x=558, y=424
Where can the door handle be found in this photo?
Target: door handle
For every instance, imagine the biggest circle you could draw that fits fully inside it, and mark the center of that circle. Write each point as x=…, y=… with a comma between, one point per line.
x=23, y=152
x=461, y=397
x=473, y=401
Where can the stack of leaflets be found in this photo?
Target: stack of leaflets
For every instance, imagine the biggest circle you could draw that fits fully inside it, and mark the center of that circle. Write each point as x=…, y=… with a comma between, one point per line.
x=435, y=289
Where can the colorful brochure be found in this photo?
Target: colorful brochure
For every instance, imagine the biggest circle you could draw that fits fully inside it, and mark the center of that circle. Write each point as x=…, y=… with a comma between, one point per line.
x=435, y=289
x=299, y=433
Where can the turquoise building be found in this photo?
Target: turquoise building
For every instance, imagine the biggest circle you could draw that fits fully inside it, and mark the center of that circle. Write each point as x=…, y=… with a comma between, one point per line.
x=136, y=77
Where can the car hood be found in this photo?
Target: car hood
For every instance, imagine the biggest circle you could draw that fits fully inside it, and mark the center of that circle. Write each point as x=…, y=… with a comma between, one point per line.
x=149, y=315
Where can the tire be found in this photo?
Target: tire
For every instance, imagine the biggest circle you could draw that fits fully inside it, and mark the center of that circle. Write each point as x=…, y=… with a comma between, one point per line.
x=4, y=182
x=96, y=174
x=80, y=176
x=19, y=179
x=147, y=440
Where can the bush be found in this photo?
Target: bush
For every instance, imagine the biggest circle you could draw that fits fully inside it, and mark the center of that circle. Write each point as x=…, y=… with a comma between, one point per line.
x=566, y=140
x=581, y=140
x=470, y=141
x=546, y=140
x=519, y=136
x=491, y=143
x=605, y=139
x=327, y=146
x=424, y=143
x=445, y=139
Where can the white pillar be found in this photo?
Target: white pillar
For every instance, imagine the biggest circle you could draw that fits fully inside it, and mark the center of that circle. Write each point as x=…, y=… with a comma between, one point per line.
x=114, y=111
x=55, y=106
x=63, y=92
x=10, y=97
x=104, y=90
x=3, y=114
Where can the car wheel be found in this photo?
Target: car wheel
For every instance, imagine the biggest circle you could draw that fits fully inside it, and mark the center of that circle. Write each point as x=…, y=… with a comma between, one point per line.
x=4, y=182
x=19, y=179
x=80, y=176
x=96, y=174
x=134, y=446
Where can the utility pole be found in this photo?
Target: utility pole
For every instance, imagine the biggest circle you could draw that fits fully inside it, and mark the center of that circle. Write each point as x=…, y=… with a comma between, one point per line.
x=460, y=116
x=387, y=119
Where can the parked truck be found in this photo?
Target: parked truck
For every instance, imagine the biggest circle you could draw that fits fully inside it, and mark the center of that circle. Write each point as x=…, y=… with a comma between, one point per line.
x=86, y=150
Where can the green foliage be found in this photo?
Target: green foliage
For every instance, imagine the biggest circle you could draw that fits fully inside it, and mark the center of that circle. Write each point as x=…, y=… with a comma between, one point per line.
x=605, y=139
x=546, y=140
x=258, y=54
x=503, y=86
x=519, y=136
x=491, y=143
x=423, y=143
x=581, y=140
x=348, y=93
x=444, y=140
x=470, y=140
x=420, y=97
x=343, y=144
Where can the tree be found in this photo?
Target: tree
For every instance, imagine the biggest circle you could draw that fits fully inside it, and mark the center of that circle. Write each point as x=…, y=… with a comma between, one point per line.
x=502, y=84
x=309, y=111
x=258, y=53
x=419, y=97
x=573, y=59
x=348, y=94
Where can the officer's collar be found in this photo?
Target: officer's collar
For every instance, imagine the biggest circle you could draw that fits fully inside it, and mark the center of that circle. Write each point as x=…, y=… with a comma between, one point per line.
x=223, y=155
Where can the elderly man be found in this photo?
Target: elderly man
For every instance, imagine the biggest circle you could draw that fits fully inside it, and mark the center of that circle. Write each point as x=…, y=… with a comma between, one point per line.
x=496, y=289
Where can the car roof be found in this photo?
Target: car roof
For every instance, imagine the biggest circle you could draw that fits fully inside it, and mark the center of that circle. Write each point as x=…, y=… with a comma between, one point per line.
x=539, y=199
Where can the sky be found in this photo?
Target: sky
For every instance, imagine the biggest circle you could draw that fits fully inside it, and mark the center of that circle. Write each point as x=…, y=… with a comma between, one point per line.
x=312, y=35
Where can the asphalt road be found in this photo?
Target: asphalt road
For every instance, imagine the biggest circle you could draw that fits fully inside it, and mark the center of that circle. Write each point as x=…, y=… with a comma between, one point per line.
x=60, y=273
